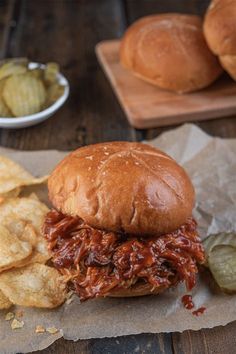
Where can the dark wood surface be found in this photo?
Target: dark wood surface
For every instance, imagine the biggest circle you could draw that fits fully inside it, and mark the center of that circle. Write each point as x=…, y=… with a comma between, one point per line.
x=67, y=31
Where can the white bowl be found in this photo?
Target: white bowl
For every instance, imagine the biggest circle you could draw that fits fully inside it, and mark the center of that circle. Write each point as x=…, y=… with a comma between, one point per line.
x=27, y=121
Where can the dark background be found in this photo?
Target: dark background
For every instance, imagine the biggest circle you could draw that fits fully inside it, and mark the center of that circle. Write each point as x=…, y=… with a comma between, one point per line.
x=66, y=31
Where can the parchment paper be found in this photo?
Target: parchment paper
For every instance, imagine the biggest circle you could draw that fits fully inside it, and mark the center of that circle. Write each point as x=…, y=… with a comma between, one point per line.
x=211, y=163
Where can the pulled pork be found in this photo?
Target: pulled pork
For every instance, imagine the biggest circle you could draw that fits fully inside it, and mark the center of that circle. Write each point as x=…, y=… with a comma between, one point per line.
x=98, y=262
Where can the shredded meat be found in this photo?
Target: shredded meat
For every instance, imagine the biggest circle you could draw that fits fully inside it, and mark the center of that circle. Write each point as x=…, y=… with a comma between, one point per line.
x=99, y=262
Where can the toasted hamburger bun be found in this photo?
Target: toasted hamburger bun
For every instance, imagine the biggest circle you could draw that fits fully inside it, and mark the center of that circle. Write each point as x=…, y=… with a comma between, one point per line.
x=170, y=51
x=140, y=289
x=123, y=187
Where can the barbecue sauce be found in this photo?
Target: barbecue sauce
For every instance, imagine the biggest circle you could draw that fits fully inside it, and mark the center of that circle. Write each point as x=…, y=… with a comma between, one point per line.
x=97, y=262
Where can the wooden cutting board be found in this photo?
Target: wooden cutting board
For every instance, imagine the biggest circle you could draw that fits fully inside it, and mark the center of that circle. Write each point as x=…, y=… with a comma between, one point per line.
x=147, y=106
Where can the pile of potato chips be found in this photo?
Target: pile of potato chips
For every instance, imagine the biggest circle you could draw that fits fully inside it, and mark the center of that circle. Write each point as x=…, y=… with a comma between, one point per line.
x=25, y=279
x=25, y=91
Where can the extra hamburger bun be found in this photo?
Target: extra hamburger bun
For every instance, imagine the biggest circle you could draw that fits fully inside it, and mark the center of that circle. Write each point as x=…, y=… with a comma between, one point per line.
x=220, y=32
x=170, y=51
x=123, y=187
x=139, y=289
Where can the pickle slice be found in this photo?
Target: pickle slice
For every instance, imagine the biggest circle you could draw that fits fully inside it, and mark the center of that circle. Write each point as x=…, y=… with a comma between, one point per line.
x=222, y=263
x=226, y=239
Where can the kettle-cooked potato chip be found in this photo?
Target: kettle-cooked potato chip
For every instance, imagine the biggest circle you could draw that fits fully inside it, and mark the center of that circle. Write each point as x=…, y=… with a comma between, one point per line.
x=24, y=218
x=33, y=196
x=12, y=249
x=30, y=210
x=11, y=194
x=39, y=255
x=27, y=233
x=13, y=176
x=35, y=285
x=24, y=94
x=5, y=303
x=40, y=252
x=23, y=230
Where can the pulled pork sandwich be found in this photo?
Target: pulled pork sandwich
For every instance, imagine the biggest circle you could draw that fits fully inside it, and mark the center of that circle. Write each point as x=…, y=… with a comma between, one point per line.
x=122, y=223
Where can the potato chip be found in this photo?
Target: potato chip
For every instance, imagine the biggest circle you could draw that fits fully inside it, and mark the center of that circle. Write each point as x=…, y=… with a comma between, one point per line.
x=40, y=254
x=23, y=230
x=52, y=330
x=5, y=303
x=10, y=315
x=54, y=92
x=35, y=285
x=51, y=72
x=12, y=68
x=24, y=94
x=30, y=210
x=33, y=196
x=24, y=218
x=13, y=176
x=11, y=194
x=39, y=329
x=16, y=324
x=12, y=249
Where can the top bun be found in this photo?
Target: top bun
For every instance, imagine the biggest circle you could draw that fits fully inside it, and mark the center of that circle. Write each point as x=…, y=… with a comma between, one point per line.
x=220, y=32
x=123, y=187
x=170, y=51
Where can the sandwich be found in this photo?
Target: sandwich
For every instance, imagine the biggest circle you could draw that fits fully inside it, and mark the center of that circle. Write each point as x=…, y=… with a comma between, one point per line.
x=121, y=223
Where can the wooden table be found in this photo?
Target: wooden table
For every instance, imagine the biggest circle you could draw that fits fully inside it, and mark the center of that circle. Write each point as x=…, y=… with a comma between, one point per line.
x=67, y=31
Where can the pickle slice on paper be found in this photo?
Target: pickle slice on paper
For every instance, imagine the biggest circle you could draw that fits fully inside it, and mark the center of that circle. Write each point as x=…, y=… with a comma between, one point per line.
x=222, y=263
x=219, y=240
x=221, y=259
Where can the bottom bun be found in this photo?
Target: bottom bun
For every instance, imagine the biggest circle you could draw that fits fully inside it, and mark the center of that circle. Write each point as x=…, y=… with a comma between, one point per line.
x=140, y=289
